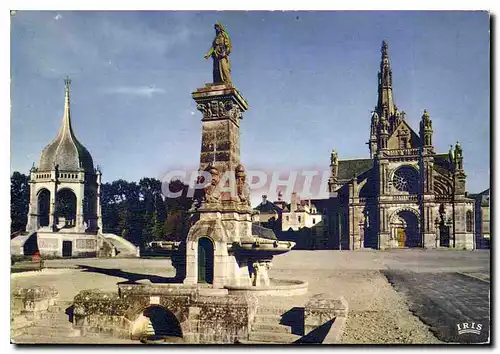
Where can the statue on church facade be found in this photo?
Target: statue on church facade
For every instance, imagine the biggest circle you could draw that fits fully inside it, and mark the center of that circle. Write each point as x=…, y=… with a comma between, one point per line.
x=220, y=50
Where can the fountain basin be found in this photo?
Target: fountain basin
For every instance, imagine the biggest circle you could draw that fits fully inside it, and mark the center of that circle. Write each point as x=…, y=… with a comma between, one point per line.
x=261, y=247
x=277, y=287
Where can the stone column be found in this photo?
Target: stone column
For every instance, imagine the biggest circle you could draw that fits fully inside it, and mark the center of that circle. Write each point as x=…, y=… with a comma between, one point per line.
x=52, y=211
x=80, y=194
x=222, y=107
x=191, y=263
x=98, y=202
x=32, y=224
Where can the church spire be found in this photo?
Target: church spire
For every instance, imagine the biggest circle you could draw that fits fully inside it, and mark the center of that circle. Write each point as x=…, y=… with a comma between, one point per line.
x=66, y=116
x=385, y=105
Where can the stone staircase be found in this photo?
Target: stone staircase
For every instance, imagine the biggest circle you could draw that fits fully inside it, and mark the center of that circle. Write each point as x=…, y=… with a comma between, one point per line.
x=267, y=328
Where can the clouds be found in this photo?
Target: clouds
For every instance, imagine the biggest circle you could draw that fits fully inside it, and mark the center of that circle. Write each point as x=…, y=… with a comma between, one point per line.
x=86, y=42
x=142, y=91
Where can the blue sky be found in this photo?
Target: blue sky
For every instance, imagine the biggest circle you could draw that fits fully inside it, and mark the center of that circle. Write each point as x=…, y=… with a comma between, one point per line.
x=310, y=79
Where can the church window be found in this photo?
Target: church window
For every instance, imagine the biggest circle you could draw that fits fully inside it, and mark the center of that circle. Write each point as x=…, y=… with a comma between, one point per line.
x=402, y=143
x=405, y=179
x=299, y=218
x=468, y=221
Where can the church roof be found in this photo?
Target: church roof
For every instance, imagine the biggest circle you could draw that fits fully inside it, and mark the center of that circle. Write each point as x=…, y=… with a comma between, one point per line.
x=483, y=197
x=350, y=168
x=443, y=161
x=267, y=207
x=65, y=150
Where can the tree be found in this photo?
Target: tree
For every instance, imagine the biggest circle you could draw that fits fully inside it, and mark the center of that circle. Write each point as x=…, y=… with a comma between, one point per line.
x=19, y=201
x=177, y=221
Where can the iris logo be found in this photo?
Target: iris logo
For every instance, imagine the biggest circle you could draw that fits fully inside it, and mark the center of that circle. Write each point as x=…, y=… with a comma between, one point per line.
x=469, y=327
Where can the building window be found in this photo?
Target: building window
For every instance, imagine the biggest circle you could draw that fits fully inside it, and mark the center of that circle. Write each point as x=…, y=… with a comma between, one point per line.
x=405, y=179
x=468, y=221
x=402, y=143
x=287, y=218
x=299, y=218
x=314, y=221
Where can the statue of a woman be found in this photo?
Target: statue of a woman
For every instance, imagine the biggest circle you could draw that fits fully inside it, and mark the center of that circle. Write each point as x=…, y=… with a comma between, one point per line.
x=221, y=48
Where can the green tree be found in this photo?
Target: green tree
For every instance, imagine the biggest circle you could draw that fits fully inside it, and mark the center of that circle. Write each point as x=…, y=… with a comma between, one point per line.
x=19, y=201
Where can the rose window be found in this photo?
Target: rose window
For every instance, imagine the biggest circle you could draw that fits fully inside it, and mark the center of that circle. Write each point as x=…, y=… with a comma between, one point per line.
x=406, y=180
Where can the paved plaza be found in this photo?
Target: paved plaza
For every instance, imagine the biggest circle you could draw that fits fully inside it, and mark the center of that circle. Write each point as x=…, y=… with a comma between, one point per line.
x=398, y=296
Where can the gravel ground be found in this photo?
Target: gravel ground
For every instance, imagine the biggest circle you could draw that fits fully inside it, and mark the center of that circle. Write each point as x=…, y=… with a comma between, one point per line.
x=378, y=314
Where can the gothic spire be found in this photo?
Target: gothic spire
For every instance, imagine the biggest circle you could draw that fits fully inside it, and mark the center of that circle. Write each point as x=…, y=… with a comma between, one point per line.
x=66, y=116
x=385, y=105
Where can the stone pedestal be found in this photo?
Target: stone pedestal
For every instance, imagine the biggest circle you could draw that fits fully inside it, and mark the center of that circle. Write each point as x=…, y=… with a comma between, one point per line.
x=319, y=310
x=222, y=107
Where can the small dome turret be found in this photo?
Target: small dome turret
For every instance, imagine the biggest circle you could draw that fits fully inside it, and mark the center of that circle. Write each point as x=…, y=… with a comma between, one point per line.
x=65, y=151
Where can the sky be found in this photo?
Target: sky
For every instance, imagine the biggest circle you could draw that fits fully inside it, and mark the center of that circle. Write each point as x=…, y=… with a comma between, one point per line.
x=310, y=79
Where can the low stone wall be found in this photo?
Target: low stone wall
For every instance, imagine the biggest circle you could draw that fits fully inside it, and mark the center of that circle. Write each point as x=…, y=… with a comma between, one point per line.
x=100, y=312
x=223, y=320
x=203, y=315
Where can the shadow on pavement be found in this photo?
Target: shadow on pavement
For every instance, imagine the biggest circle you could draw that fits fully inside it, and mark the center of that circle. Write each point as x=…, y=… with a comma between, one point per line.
x=132, y=278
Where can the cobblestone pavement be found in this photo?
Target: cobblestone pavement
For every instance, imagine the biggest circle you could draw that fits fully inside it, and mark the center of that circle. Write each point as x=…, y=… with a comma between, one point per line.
x=445, y=300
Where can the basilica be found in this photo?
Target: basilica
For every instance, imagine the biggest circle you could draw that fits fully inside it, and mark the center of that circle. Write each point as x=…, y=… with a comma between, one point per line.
x=405, y=194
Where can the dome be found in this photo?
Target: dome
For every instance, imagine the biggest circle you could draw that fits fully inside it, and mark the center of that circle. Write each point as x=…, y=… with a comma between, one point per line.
x=65, y=150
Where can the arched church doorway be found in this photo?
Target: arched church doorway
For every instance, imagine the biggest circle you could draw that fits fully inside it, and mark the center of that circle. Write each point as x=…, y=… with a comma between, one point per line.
x=162, y=324
x=43, y=205
x=405, y=230
x=66, y=208
x=205, y=261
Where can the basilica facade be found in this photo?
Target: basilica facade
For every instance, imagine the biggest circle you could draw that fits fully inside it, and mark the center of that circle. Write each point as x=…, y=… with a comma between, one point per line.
x=405, y=194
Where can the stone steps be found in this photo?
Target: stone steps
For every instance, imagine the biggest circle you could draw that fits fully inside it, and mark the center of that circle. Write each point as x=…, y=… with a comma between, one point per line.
x=54, y=316
x=44, y=339
x=279, y=311
x=55, y=331
x=245, y=341
x=271, y=327
x=267, y=319
x=61, y=322
x=261, y=336
x=17, y=325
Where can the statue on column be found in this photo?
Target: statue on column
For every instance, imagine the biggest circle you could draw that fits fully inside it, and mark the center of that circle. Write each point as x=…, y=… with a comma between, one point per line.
x=221, y=48
x=243, y=190
x=212, y=193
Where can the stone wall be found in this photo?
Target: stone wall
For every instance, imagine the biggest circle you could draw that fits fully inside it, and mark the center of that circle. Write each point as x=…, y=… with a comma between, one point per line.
x=82, y=244
x=203, y=315
x=32, y=302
